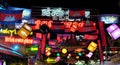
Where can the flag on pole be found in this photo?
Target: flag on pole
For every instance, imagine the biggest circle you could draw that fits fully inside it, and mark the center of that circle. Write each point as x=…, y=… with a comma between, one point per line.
x=10, y=15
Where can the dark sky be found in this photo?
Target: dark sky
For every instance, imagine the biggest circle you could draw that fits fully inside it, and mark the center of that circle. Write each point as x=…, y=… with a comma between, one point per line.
x=104, y=6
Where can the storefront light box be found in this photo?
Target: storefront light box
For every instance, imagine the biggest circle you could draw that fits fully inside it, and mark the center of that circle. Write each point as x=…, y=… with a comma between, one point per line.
x=26, y=11
x=114, y=31
x=109, y=18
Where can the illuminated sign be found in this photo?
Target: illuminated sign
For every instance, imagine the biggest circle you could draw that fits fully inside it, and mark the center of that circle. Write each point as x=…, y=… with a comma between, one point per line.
x=10, y=32
x=7, y=31
x=39, y=22
x=114, y=31
x=109, y=18
x=24, y=31
x=67, y=24
x=18, y=40
x=54, y=12
x=51, y=60
x=92, y=46
x=87, y=14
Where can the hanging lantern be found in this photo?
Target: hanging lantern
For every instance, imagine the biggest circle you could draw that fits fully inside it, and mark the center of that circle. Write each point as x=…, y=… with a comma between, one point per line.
x=64, y=51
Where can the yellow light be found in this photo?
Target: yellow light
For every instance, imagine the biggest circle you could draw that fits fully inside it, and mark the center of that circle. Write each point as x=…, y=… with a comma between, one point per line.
x=64, y=51
x=92, y=46
x=51, y=60
x=7, y=31
x=49, y=48
x=34, y=49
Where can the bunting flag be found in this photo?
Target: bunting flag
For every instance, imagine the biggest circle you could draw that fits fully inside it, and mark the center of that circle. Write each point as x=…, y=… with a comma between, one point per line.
x=76, y=13
x=10, y=16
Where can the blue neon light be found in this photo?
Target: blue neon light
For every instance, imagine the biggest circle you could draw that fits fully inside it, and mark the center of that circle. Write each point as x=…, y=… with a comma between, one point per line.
x=10, y=51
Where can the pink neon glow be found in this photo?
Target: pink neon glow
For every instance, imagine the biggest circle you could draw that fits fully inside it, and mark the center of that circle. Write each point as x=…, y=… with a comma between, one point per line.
x=116, y=33
x=89, y=54
x=112, y=28
x=0, y=62
x=57, y=58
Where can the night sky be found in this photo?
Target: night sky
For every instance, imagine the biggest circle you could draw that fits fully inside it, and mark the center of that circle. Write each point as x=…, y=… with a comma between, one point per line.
x=104, y=6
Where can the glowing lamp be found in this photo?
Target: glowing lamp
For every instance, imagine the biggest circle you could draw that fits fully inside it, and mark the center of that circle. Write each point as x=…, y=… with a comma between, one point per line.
x=58, y=54
x=57, y=58
x=92, y=46
x=48, y=48
x=64, y=51
x=89, y=54
x=48, y=53
x=15, y=47
x=80, y=54
x=51, y=60
x=68, y=57
x=77, y=57
x=34, y=49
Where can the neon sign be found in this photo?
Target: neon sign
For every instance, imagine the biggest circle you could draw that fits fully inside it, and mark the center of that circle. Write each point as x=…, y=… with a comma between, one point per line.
x=68, y=24
x=39, y=22
x=11, y=32
x=18, y=40
x=6, y=31
x=54, y=12
x=109, y=18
